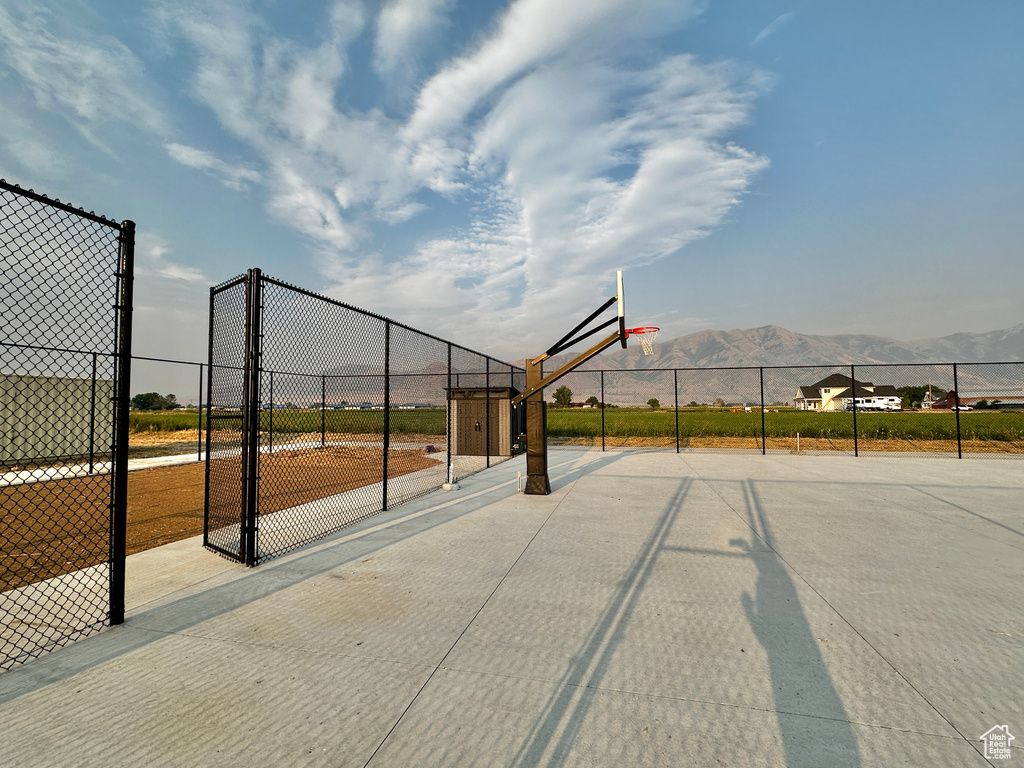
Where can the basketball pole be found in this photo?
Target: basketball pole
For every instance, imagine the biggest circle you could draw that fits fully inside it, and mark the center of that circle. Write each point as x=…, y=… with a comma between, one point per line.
x=537, y=482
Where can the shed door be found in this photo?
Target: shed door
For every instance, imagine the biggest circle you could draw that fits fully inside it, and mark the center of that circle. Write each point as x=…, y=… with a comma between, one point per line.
x=472, y=428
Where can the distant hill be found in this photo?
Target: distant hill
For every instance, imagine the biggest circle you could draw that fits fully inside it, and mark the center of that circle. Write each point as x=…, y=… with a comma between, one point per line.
x=771, y=345
x=774, y=346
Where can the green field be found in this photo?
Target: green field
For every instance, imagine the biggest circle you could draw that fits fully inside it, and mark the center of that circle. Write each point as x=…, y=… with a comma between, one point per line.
x=638, y=423
x=644, y=422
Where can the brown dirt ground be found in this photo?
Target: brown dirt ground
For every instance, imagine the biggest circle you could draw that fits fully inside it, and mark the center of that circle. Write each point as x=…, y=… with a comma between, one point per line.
x=157, y=443
x=165, y=504
x=190, y=437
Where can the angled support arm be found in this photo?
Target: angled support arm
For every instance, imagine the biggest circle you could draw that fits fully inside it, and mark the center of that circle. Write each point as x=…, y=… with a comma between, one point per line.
x=577, y=361
x=565, y=343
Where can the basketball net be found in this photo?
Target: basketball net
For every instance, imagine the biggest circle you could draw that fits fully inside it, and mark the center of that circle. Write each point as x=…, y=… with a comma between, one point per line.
x=647, y=335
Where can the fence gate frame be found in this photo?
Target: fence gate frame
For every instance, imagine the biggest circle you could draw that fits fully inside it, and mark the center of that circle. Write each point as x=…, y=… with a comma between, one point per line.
x=236, y=369
x=117, y=271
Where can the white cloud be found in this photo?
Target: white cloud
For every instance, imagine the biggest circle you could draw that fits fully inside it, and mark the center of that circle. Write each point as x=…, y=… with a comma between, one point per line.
x=774, y=27
x=235, y=177
x=531, y=33
x=171, y=314
x=28, y=148
x=152, y=262
x=602, y=168
x=91, y=80
x=404, y=29
x=279, y=98
x=585, y=153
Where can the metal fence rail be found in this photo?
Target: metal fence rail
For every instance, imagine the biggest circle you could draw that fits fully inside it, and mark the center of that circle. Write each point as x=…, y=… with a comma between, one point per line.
x=320, y=414
x=955, y=409
x=65, y=304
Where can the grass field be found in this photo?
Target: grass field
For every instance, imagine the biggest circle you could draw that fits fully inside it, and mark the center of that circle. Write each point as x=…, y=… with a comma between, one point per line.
x=642, y=422
x=923, y=426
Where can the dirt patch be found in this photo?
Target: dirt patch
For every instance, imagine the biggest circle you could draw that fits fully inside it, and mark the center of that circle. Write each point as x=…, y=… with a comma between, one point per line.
x=60, y=526
x=292, y=477
x=190, y=437
x=186, y=441
x=186, y=436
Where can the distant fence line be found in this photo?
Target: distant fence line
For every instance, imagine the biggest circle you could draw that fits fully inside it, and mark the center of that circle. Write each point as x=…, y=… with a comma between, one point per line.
x=687, y=418
x=975, y=408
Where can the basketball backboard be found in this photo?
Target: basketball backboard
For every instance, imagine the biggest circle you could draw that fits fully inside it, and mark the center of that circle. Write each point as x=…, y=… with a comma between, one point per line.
x=621, y=295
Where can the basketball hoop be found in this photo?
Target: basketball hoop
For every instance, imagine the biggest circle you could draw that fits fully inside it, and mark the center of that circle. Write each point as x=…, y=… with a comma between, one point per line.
x=647, y=334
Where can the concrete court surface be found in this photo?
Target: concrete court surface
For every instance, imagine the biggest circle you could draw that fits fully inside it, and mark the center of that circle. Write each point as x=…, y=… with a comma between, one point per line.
x=655, y=610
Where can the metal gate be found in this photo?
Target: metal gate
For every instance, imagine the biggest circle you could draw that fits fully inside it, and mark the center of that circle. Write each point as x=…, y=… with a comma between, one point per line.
x=321, y=414
x=65, y=358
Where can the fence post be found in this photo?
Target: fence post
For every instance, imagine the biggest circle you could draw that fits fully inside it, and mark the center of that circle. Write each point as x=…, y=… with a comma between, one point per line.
x=251, y=420
x=323, y=411
x=675, y=394
x=209, y=421
x=119, y=511
x=387, y=409
x=602, y=410
x=764, y=449
x=199, y=437
x=853, y=397
x=487, y=397
x=956, y=405
x=448, y=428
x=92, y=417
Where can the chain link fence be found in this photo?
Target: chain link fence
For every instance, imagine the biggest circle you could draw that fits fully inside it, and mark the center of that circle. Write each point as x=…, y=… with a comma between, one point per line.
x=320, y=414
x=65, y=301
x=967, y=409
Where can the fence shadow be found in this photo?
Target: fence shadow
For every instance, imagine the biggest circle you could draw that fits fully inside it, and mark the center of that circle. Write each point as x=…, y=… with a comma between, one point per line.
x=561, y=719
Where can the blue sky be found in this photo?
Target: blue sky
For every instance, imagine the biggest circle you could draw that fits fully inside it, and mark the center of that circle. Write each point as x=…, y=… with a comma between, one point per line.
x=480, y=170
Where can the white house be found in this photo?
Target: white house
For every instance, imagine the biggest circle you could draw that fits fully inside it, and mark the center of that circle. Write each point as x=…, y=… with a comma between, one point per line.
x=837, y=393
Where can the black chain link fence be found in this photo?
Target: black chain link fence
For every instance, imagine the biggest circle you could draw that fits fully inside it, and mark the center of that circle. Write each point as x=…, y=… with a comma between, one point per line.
x=967, y=409
x=321, y=414
x=65, y=303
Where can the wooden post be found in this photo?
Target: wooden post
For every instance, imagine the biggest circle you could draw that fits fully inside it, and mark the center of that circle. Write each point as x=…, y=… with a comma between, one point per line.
x=537, y=482
x=536, y=412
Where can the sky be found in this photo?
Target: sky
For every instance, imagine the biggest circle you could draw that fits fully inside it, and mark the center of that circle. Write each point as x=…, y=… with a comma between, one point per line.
x=479, y=170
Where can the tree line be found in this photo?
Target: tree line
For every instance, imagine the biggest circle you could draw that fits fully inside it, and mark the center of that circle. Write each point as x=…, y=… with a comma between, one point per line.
x=154, y=401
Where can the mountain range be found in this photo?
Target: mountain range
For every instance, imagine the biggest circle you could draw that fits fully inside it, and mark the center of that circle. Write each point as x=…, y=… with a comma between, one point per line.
x=771, y=345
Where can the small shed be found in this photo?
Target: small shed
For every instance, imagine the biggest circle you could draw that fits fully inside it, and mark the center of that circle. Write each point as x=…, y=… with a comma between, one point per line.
x=471, y=426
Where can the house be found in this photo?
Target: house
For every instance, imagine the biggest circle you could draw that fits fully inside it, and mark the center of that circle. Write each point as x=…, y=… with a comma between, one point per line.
x=951, y=401
x=838, y=391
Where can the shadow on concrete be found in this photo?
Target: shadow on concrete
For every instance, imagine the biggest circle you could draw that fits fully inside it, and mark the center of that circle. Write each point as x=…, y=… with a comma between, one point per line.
x=147, y=626
x=919, y=489
x=801, y=684
x=559, y=722
x=933, y=493
x=583, y=463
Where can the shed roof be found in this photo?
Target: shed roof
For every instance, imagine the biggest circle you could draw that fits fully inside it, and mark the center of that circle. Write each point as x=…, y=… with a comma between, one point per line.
x=470, y=392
